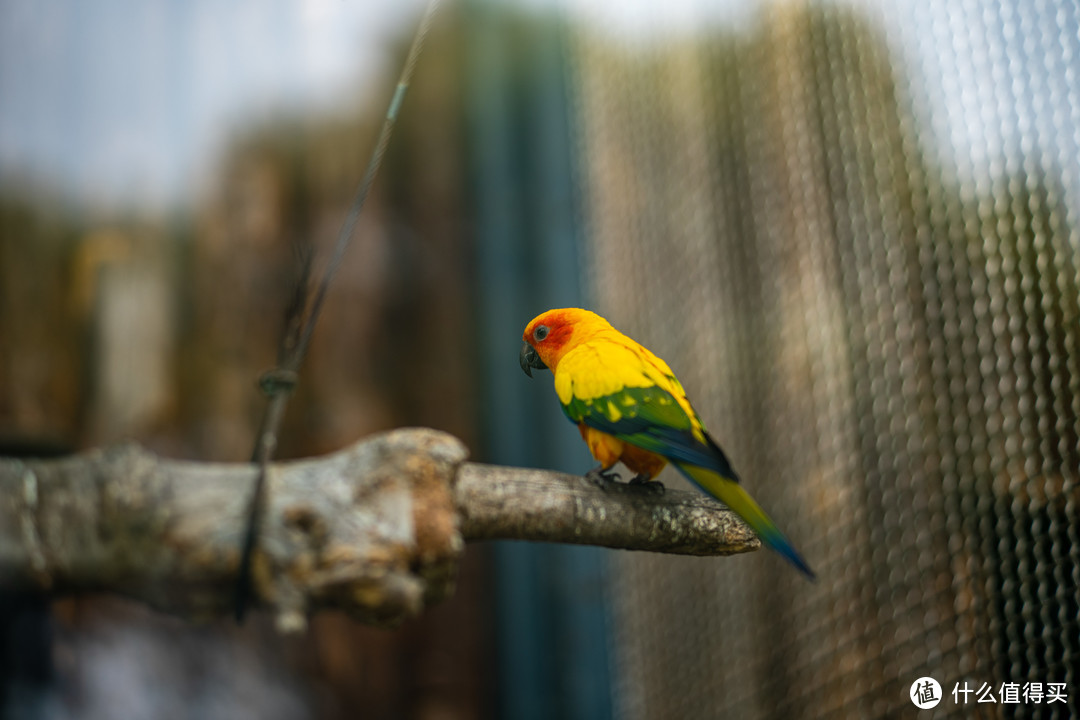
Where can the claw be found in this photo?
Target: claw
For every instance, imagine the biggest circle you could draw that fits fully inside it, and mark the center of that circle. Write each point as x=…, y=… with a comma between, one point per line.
x=643, y=481
x=601, y=476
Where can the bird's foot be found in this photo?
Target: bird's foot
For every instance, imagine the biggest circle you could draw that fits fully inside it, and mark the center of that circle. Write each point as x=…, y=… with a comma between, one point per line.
x=645, y=482
x=602, y=477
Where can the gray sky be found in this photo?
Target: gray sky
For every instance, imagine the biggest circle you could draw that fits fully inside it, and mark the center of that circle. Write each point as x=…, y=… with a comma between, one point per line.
x=125, y=102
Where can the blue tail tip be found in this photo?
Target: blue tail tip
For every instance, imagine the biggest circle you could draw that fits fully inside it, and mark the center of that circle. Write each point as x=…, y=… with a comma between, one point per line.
x=804, y=568
x=789, y=553
x=795, y=559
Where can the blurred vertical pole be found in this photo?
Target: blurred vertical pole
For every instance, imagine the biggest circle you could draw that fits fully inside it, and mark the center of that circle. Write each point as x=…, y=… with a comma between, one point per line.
x=551, y=624
x=28, y=678
x=27, y=675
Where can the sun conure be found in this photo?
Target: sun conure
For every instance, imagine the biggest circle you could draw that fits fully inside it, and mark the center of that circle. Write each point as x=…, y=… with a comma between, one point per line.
x=629, y=407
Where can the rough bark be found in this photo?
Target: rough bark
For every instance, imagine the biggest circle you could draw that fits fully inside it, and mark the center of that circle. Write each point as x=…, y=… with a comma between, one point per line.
x=375, y=530
x=508, y=503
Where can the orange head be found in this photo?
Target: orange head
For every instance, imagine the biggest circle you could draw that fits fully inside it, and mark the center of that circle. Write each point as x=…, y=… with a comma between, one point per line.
x=550, y=335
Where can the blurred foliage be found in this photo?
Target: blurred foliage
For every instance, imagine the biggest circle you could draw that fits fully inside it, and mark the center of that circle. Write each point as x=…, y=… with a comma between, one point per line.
x=89, y=303
x=156, y=328
x=889, y=348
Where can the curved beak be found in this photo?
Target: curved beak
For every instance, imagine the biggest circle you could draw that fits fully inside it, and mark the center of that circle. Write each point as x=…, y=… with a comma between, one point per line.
x=529, y=359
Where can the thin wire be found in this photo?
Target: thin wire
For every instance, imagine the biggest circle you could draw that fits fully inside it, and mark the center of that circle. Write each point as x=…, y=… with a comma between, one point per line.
x=279, y=383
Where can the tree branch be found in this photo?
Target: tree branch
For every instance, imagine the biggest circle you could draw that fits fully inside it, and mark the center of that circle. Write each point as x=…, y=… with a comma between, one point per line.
x=376, y=529
x=508, y=503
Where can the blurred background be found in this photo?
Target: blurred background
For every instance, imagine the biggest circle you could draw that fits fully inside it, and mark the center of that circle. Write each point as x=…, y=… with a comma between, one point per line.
x=852, y=228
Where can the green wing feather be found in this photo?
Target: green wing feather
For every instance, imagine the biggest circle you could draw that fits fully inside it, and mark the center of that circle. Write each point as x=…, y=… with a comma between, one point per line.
x=651, y=418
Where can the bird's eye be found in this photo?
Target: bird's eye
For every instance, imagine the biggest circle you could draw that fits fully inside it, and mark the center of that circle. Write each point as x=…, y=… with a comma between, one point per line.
x=540, y=333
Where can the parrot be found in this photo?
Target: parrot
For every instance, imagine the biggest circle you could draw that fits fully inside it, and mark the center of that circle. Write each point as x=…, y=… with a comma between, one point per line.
x=629, y=407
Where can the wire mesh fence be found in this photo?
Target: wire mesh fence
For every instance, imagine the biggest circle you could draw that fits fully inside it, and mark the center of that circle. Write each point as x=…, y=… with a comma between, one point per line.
x=852, y=230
